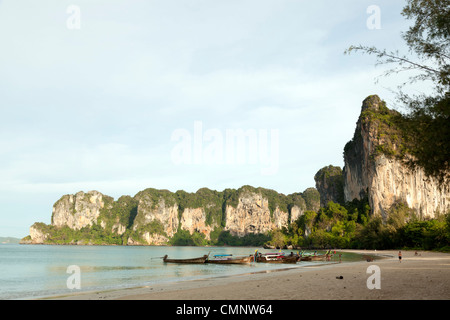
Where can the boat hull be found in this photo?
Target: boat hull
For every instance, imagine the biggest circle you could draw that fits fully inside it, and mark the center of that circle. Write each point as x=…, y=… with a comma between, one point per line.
x=199, y=260
x=244, y=260
x=278, y=259
x=313, y=258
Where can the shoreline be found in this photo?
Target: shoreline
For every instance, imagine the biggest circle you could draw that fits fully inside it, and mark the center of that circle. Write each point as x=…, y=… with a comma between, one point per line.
x=424, y=277
x=185, y=284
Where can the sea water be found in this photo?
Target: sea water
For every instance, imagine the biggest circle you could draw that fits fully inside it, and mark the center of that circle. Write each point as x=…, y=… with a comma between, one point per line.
x=34, y=271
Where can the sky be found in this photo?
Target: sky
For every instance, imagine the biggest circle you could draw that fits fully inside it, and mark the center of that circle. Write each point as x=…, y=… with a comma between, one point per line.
x=119, y=96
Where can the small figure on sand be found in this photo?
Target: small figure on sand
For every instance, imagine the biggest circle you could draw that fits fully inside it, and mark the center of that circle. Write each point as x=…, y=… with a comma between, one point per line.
x=400, y=256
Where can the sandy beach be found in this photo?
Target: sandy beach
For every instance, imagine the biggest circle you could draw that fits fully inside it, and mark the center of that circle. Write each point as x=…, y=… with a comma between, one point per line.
x=422, y=277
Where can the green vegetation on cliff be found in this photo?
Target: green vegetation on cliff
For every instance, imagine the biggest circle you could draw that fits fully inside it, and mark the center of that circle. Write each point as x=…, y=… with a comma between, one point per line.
x=330, y=184
x=382, y=125
x=209, y=200
x=123, y=212
x=155, y=196
x=384, y=122
x=94, y=235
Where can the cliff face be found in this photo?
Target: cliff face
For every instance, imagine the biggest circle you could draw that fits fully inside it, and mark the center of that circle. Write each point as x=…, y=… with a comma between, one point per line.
x=252, y=215
x=79, y=210
x=330, y=184
x=194, y=220
x=157, y=217
x=153, y=217
x=372, y=170
x=37, y=235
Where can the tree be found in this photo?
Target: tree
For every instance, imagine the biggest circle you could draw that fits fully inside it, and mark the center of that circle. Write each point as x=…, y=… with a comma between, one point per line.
x=278, y=239
x=425, y=125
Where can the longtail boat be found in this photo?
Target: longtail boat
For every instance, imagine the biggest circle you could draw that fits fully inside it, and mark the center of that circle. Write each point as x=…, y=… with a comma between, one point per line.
x=192, y=260
x=228, y=259
x=320, y=257
x=305, y=258
x=276, y=258
x=291, y=259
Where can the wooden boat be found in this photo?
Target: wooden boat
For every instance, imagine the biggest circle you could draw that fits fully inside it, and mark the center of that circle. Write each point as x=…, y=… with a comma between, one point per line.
x=313, y=258
x=276, y=258
x=291, y=259
x=305, y=258
x=199, y=260
x=228, y=259
x=319, y=257
x=269, y=257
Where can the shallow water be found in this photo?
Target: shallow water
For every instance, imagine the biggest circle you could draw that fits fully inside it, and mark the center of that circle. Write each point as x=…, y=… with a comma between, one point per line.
x=32, y=271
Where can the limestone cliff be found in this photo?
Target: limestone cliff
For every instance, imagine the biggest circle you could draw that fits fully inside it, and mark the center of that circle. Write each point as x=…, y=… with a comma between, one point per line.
x=330, y=184
x=37, y=234
x=259, y=210
x=194, y=220
x=157, y=214
x=154, y=217
x=372, y=170
x=251, y=215
x=254, y=214
x=79, y=210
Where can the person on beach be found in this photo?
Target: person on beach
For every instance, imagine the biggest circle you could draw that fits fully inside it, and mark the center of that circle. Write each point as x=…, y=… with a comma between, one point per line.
x=400, y=256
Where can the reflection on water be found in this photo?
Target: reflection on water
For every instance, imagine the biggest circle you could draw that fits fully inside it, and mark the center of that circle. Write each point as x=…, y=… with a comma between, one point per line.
x=30, y=271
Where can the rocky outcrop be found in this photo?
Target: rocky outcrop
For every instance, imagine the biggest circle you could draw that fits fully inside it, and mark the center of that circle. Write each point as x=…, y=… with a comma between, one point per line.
x=157, y=217
x=194, y=220
x=297, y=211
x=330, y=184
x=251, y=215
x=79, y=210
x=393, y=182
x=37, y=234
x=372, y=170
x=148, y=238
x=311, y=197
x=162, y=209
x=153, y=217
x=261, y=210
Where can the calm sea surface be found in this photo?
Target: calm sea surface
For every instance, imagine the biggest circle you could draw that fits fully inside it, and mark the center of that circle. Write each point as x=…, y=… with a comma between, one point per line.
x=32, y=271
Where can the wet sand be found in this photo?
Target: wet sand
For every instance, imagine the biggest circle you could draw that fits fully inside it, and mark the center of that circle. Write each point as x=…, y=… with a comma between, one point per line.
x=423, y=277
